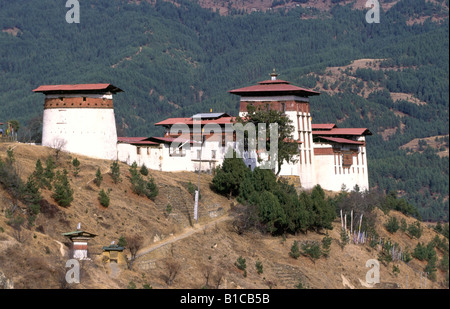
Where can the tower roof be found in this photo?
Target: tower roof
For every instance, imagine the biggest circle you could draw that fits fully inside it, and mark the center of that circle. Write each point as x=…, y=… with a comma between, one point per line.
x=274, y=86
x=78, y=88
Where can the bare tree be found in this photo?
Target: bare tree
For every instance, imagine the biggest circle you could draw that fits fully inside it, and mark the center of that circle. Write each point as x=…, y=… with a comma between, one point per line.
x=207, y=273
x=134, y=243
x=173, y=267
x=218, y=276
x=58, y=144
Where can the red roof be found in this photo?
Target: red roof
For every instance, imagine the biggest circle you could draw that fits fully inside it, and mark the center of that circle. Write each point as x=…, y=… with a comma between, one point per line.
x=278, y=87
x=135, y=140
x=341, y=140
x=190, y=121
x=77, y=88
x=344, y=131
x=170, y=139
x=323, y=126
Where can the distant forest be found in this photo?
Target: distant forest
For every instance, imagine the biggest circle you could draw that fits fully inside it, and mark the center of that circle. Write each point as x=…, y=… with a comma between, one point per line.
x=177, y=60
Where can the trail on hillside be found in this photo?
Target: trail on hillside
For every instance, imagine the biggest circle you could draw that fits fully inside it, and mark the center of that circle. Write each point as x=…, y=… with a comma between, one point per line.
x=188, y=232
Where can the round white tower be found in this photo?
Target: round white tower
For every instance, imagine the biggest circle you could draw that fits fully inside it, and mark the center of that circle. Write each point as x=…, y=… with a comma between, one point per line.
x=80, y=119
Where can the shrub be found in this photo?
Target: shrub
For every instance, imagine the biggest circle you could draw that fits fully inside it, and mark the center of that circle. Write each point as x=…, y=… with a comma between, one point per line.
x=259, y=267
x=392, y=225
x=168, y=208
x=415, y=229
x=295, y=251
x=403, y=225
x=240, y=263
x=103, y=198
x=312, y=250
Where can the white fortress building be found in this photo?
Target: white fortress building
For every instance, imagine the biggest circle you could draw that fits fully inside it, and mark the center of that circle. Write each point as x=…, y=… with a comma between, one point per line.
x=80, y=119
x=82, y=116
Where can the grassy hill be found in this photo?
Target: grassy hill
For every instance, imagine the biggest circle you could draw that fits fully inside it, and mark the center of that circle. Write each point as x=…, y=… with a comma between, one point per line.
x=210, y=247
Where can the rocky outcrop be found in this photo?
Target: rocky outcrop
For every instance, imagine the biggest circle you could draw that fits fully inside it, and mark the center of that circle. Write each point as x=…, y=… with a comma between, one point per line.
x=5, y=283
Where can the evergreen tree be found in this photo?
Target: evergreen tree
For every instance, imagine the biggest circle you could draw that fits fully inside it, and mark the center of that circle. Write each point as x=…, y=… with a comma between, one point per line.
x=326, y=245
x=63, y=193
x=32, y=198
x=392, y=225
x=103, y=198
x=228, y=177
x=49, y=172
x=115, y=172
x=98, y=177
x=76, y=166
x=295, y=250
x=143, y=170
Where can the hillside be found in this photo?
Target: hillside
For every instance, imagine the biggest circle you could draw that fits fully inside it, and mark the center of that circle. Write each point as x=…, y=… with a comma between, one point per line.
x=180, y=57
x=210, y=246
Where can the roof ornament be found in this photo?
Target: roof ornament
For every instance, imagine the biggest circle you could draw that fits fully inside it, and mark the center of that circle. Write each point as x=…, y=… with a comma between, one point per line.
x=274, y=75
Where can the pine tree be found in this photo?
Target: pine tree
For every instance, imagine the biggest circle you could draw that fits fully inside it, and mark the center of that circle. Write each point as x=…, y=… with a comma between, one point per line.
x=98, y=177
x=38, y=175
x=143, y=170
x=344, y=238
x=295, y=251
x=76, y=165
x=103, y=198
x=326, y=244
x=49, y=172
x=63, y=193
x=32, y=198
x=115, y=172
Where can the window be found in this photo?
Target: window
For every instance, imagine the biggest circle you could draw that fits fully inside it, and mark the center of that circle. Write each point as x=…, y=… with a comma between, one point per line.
x=199, y=154
x=213, y=154
x=283, y=107
x=347, y=159
x=138, y=150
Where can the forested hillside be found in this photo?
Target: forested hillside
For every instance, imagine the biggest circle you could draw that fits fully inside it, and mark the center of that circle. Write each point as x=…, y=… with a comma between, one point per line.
x=180, y=59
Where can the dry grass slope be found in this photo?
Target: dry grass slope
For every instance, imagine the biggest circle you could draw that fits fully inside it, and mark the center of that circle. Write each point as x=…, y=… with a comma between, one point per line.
x=173, y=240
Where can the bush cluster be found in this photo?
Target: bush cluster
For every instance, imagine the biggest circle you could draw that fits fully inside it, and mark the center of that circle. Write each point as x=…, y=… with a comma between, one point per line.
x=279, y=208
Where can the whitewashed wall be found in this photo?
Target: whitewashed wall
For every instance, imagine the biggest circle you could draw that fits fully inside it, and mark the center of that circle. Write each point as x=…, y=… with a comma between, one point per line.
x=86, y=131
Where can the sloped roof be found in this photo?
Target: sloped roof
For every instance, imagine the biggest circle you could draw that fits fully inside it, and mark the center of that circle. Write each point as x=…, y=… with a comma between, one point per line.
x=273, y=87
x=344, y=131
x=135, y=140
x=341, y=140
x=191, y=121
x=323, y=126
x=77, y=88
x=78, y=233
x=210, y=115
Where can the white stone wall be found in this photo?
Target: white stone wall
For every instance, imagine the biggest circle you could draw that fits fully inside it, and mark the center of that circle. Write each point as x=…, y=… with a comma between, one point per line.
x=86, y=131
x=163, y=158
x=331, y=175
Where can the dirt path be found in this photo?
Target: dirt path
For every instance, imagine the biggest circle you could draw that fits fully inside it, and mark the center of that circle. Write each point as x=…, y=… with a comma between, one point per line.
x=61, y=248
x=188, y=232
